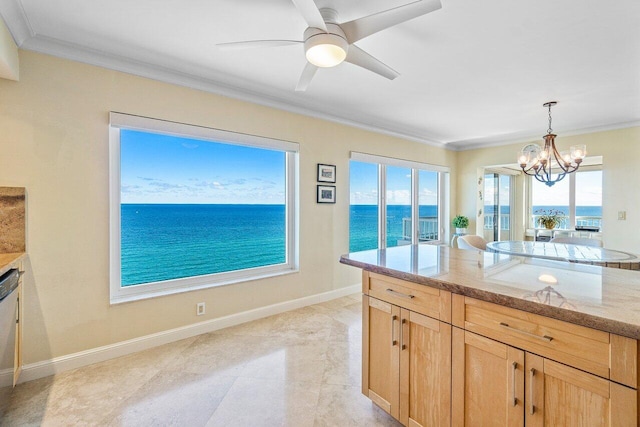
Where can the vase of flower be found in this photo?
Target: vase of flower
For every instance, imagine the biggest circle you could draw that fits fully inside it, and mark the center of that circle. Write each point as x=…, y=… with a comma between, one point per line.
x=549, y=219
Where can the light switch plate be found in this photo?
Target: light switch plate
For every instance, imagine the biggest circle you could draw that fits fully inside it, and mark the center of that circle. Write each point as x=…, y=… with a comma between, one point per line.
x=622, y=215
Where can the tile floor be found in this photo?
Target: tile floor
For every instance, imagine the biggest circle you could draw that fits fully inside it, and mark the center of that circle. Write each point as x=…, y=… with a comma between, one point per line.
x=300, y=368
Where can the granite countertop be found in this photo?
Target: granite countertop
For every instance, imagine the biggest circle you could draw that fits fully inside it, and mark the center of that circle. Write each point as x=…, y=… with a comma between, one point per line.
x=9, y=261
x=606, y=299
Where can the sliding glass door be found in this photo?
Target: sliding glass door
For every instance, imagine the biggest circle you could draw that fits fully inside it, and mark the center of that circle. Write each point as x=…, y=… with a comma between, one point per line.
x=394, y=202
x=498, y=212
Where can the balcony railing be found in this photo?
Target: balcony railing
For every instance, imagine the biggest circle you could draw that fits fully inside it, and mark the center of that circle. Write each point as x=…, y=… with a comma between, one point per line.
x=504, y=222
x=588, y=221
x=427, y=228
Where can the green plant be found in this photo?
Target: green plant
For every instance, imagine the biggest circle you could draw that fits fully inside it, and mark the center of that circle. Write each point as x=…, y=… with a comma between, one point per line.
x=549, y=219
x=460, y=221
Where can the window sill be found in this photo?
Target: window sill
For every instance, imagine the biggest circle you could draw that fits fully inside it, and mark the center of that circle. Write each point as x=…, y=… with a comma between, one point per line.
x=198, y=283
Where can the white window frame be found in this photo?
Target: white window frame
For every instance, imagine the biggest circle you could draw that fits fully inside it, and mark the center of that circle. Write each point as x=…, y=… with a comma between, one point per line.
x=120, y=294
x=572, y=196
x=443, y=194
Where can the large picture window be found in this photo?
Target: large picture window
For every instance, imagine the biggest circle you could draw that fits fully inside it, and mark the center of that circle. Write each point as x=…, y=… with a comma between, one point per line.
x=394, y=202
x=194, y=207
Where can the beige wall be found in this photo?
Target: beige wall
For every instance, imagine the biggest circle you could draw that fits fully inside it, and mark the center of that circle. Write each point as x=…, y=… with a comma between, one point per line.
x=54, y=141
x=620, y=150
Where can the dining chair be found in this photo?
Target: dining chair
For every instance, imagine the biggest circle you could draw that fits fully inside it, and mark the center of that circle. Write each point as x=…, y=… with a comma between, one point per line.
x=472, y=242
x=577, y=241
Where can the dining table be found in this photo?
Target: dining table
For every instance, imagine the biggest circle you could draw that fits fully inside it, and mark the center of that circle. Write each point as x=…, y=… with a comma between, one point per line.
x=567, y=252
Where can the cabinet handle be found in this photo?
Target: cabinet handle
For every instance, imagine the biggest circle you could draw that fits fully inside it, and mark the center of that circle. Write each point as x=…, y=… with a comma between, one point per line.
x=393, y=330
x=399, y=294
x=532, y=372
x=546, y=338
x=402, y=334
x=514, y=366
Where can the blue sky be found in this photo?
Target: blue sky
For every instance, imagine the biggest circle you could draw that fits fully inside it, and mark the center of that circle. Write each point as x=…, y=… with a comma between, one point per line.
x=364, y=185
x=166, y=169
x=588, y=191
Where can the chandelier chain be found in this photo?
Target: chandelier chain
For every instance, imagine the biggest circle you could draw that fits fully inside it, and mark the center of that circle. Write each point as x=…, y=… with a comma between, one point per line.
x=549, y=130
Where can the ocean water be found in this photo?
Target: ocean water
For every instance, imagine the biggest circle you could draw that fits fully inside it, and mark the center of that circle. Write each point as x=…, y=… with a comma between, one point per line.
x=363, y=221
x=162, y=242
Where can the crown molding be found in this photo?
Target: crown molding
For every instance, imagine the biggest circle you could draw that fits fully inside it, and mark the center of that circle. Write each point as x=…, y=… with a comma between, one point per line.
x=217, y=83
x=466, y=145
x=17, y=21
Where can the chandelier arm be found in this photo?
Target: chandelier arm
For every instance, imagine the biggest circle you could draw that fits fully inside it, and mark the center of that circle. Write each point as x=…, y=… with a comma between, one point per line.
x=539, y=178
x=559, y=178
x=559, y=160
x=544, y=172
x=526, y=170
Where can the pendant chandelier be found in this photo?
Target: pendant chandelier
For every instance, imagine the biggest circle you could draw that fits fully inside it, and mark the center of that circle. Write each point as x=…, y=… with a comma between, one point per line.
x=541, y=162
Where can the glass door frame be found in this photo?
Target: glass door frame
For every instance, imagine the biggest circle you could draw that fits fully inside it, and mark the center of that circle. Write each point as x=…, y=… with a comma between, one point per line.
x=497, y=223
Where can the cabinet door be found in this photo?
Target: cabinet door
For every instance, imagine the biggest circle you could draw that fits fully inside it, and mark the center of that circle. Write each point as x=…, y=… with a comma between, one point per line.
x=380, y=354
x=558, y=395
x=425, y=371
x=488, y=382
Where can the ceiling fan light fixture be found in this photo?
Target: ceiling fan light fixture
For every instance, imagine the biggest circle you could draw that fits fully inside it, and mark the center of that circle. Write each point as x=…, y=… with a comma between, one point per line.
x=326, y=50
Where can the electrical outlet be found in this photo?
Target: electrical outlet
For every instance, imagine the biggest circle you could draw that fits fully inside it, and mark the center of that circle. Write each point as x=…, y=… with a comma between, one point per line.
x=200, y=309
x=622, y=215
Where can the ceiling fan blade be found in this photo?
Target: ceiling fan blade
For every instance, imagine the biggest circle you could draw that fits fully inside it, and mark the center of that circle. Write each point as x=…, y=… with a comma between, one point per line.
x=252, y=44
x=362, y=59
x=307, y=74
x=310, y=13
x=363, y=27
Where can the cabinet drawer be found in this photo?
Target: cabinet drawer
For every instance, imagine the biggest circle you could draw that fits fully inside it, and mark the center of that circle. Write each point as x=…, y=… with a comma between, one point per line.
x=422, y=299
x=574, y=345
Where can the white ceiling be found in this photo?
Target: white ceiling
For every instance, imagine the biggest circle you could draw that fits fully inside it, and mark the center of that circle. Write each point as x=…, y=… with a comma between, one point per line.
x=473, y=73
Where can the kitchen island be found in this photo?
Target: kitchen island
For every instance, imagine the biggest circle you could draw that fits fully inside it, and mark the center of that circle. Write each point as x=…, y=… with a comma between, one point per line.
x=453, y=337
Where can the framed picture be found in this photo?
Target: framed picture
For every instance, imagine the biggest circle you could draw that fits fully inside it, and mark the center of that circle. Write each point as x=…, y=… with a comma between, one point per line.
x=326, y=193
x=326, y=173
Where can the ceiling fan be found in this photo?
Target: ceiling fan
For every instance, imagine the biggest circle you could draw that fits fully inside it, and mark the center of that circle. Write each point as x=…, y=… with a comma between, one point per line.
x=327, y=43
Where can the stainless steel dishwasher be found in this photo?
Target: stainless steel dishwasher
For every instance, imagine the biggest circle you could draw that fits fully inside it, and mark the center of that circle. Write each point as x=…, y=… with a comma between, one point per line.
x=8, y=310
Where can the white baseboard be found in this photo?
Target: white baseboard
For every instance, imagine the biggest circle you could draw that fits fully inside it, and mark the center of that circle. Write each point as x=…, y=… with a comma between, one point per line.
x=45, y=368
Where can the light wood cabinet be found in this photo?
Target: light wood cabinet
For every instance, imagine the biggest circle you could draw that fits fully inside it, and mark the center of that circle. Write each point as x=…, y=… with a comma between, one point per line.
x=431, y=358
x=425, y=370
x=381, y=354
x=498, y=385
x=555, y=393
x=406, y=366
x=488, y=382
x=559, y=395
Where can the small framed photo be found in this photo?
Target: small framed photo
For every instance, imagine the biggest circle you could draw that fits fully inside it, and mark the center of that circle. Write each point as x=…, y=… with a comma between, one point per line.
x=326, y=173
x=326, y=193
